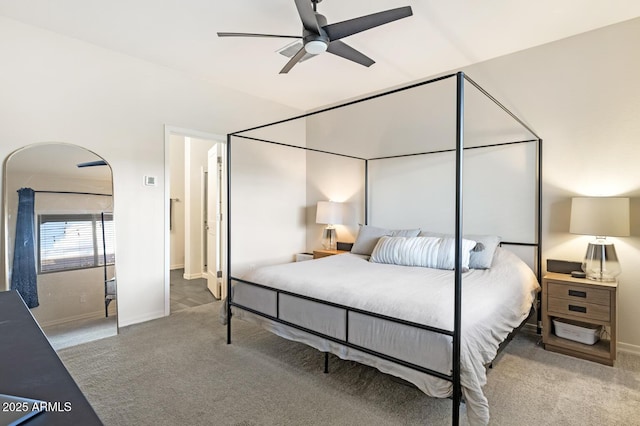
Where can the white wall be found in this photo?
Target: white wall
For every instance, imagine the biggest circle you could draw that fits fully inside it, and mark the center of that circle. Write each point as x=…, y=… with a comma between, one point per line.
x=71, y=296
x=333, y=178
x=59, y=88
x=176, y=191
x=268, y=204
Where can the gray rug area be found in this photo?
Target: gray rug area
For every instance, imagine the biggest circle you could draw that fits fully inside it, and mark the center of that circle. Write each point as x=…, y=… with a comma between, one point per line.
x=179, y=370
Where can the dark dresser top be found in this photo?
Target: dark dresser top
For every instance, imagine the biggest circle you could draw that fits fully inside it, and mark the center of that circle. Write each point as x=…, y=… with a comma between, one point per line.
x=30, y=368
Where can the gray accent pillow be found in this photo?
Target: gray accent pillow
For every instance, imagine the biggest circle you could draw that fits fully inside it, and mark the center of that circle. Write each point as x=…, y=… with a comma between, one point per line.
x=483, y=257
x=482, y=254
x=368, y=237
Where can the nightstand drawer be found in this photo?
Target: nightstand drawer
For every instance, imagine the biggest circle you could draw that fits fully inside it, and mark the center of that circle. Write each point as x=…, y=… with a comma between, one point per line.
x=578, y=309
x=579, y=294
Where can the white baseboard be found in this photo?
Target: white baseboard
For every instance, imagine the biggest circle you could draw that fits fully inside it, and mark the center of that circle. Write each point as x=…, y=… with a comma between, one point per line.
x=90, y=315
x=173, y=267
x=629, y=348
x=193, y=276
x=143, y=318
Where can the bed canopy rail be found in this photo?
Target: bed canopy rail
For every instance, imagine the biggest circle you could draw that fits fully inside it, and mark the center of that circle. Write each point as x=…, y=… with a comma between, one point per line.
x=336, y=147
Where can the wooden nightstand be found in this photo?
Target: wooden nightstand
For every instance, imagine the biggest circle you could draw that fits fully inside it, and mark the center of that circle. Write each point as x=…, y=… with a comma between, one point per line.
x=583, y=300
x=317, y=254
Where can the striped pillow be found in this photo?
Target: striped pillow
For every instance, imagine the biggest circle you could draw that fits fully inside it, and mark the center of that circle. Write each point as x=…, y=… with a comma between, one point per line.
x=427, y=252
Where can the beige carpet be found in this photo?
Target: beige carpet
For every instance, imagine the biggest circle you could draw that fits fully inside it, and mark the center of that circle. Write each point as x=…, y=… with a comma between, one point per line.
x=178, y=370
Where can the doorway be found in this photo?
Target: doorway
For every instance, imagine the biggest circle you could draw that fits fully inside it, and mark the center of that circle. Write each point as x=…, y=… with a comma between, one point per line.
x=193, y=231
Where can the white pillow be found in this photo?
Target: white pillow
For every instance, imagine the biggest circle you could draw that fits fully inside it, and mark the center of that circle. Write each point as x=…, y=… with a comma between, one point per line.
x=368, y=237
x=427, y=252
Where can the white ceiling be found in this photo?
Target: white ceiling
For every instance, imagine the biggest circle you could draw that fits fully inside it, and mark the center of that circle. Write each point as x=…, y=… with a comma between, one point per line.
x=442, y=35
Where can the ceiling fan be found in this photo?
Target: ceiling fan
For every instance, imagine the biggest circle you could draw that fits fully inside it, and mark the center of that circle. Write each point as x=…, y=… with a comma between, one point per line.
x=318, y=36
x=92, y=164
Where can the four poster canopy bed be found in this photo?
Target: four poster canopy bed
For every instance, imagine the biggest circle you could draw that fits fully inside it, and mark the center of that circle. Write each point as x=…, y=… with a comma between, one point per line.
x=442, y=269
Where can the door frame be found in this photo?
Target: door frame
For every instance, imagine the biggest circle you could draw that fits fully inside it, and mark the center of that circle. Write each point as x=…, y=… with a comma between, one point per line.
x=180, y=131
x=214, y=273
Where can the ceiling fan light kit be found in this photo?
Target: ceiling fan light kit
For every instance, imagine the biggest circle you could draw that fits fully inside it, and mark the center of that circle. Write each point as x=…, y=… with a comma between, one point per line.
x=318, y=36
x=316, y=47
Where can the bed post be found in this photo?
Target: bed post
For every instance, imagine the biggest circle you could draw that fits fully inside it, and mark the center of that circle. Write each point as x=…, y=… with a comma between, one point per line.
x=366, y=192
x=539, y=253
x=228, y=239
x=457, y=391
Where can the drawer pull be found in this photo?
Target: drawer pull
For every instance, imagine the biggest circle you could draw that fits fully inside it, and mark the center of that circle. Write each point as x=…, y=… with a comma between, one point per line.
x=581, y=309
x=577, y=293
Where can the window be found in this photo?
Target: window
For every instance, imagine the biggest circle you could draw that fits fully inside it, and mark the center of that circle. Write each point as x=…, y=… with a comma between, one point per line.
x=74, y=241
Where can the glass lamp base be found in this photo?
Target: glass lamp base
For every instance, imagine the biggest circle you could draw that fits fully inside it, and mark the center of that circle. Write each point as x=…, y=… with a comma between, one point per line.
x=601, y=278
x=601, y=262
x=329, y=240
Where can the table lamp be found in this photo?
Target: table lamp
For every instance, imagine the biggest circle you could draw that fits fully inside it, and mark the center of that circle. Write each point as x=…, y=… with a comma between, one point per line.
x=601, y=217
x=329, y=213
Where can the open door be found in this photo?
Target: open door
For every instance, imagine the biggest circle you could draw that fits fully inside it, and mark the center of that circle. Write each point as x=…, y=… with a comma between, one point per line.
x=213, y=221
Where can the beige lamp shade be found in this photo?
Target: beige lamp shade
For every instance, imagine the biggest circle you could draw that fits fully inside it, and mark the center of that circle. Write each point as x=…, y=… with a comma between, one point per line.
x=329, y=212
x=600, y=216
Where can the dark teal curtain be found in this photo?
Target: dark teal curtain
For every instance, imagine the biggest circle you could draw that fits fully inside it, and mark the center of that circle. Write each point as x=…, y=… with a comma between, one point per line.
x=23, y=275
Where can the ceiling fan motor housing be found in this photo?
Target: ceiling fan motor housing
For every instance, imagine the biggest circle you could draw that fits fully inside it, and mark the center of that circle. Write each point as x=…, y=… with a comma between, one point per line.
x=316, y=43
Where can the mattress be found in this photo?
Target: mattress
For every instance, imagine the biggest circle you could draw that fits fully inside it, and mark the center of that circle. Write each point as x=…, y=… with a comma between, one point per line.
x=494, y=302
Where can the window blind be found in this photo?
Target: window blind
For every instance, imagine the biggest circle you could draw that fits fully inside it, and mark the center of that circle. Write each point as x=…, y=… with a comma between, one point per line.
x=74, y=241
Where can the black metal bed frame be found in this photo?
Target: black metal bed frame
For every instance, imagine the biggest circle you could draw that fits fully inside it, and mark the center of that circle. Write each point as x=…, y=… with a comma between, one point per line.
x=454, y=377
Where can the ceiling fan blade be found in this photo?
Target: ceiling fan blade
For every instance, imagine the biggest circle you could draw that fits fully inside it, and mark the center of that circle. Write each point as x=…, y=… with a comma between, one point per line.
x=294, y=60
x=353, y=26
x=255, y=35
x=92, y=163
x=308, y=16
x=343, y=50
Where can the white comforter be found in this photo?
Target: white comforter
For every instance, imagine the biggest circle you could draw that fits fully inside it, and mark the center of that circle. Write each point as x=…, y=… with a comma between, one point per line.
x=495, y=301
